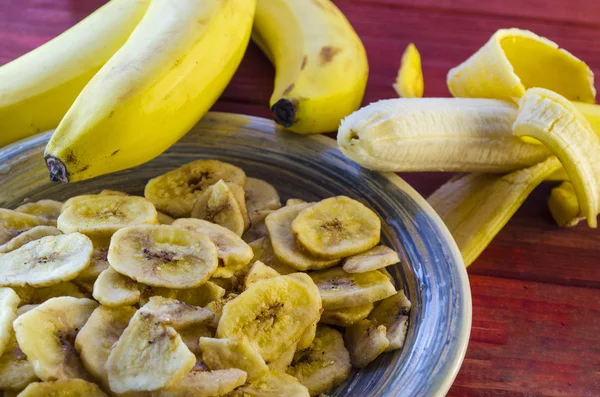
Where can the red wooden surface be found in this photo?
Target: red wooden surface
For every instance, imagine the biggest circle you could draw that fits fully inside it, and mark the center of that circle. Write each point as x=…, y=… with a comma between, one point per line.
x=536, y=289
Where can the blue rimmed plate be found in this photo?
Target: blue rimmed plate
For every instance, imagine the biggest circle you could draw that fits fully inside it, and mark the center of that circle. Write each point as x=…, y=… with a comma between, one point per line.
x=311, y=168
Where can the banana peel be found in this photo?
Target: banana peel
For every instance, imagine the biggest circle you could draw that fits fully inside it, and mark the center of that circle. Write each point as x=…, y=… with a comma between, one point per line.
x=475, y=207
x=554, y=121
x=409, y=82
x=514, y=60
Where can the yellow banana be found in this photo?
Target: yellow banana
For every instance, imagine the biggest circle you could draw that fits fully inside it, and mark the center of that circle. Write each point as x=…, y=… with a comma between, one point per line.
x=475, y=207
x=554, y=121
x=437, y=134
x=409, y=82
x=154, y=89
x=37, y=89
x=514, y=60
x=320, y=63
x=564, y=206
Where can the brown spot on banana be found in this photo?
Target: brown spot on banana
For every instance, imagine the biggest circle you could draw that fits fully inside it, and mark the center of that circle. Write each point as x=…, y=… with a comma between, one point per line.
x=327, y=54
x=304, y=62
x=288, y=89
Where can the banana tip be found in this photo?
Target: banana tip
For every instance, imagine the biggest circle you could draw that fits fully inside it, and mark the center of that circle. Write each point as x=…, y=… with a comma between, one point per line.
x=56, y=169
x=284, y=112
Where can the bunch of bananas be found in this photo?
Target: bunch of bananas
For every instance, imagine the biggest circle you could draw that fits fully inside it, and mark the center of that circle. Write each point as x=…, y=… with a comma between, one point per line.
x=523, y=113
x=127, y=82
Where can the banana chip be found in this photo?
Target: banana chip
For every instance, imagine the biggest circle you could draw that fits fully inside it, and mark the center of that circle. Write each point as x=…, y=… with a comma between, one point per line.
x=273, y=384
x=163, y=256
x=375, y=258
x=176, y=191
x=218, y=205
x=98, y=262
x=272, y=314
x=287, y=251
x=149, y=355
x=46, y=334
x=191, y=336
x=284, y=360
x=177, y=314
x=227, y=353
x=110, y=192
x=114, y=289
x=9, y=301
x=257, y=229
x=261, y=195
x=47, y=209
x=337, y=227
x=232, y=251
x=240, y=196
x=307, y=337
x=324, y=364
x=340, y=289
x=294, y=201
x=95, y=340
x=63, y=388
x=205, y=384
x=101, y=216
x=514, y=60
x=263, y=251
x=217, y=305
x=365, y=341
x=32, y=234
x=393, y=312
x=164, y=219
x=16, y=372
x=46, y=261
x=346, y=316
x=13, y=223
x=35, y=296
x=258, y=272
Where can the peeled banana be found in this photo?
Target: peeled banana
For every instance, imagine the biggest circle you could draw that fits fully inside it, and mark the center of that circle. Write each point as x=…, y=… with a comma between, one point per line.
x=437, y=134
x=320, y=63
x=37, y=89
x=168, y=73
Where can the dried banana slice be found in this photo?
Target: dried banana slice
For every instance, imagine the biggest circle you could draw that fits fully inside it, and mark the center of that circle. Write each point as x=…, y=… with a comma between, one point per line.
x=273, y=384
x=365, y=341
x=409, y=82
x=393, y=313
x=218, y=205
x=32, y=234
x=375, y=258
x=176, y=191
x=46, y=334
x=217, y=306
x=227, y=353
x=564, y=206
x=272, y=314
x=46, y=261
x=97, y=337
x=257, y=229
x=13, y=223
x=147, y=291
x=100, y=216
x=287, y=251
x=149, y=355
x=324, y=365
x=163, y=255
x=47, y=209
x=263, y=251
x=240, y=196
x=307, y=337
x=98, y=262
x=35, y=296
x=294, y=201
x=202, y=295
x=191, y=336
x=231, y=249
x=205, y=384
x=514, y=60
x=9, y=301
x=114, y=289
x=63, y=388
x=261, y=195
x=110, y=192
x=16, y=372
x=346, y=316
x=258, y=272
x=177, y=314
x=284, y=360
x=337, y=227
x=164, y=219
x=340, y=289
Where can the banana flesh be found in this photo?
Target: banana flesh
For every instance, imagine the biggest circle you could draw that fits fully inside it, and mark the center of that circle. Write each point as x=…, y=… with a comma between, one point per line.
x=37, y=89
x=154, y=89
x=475, y=207
x=554, y=121
x=437, y=134
x=564, y=206
x=320, y=63
x=514, y=60
x=409, y=82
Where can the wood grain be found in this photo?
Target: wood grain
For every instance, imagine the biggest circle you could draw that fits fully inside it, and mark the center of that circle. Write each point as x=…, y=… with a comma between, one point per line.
x=536, y=289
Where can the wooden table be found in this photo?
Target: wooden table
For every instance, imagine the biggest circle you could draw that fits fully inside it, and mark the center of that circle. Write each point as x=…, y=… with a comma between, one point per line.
x=536, y=289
